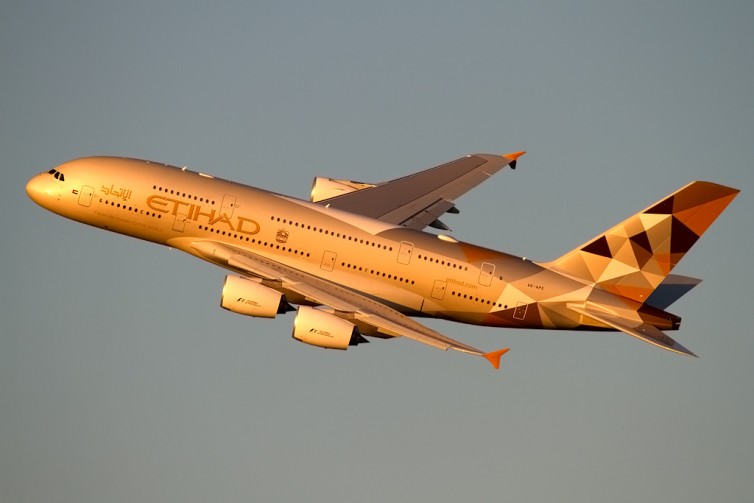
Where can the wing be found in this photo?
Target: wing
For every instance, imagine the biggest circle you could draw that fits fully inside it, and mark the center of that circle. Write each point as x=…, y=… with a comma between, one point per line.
x=385, y=319
x=643, y=331
x=418, y=200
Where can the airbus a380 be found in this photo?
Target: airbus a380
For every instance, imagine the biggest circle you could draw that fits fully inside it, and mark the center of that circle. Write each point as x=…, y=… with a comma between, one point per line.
x=356, y=261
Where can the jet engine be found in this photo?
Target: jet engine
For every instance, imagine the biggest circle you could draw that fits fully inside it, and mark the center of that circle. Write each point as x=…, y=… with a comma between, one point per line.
x=325, y=330
x=325, y=188
x=248, y=297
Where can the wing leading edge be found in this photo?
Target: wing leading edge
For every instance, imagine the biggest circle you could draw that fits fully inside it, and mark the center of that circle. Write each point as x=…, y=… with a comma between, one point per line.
x=385, y=319
x=418, y=200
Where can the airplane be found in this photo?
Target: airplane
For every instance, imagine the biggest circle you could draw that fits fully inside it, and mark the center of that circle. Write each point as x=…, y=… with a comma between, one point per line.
x=354, y=261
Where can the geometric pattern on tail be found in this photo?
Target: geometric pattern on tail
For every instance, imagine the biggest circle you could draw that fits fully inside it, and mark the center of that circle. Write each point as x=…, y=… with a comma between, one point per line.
x=634, y=257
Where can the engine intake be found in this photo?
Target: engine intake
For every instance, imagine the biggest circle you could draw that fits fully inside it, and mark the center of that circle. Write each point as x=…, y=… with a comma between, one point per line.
x=250, y=298
x=318, y=328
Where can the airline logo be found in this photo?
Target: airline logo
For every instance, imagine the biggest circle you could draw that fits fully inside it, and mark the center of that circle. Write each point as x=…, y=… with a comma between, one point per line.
x=192, y=211
x=121, y=193
x=282, y=236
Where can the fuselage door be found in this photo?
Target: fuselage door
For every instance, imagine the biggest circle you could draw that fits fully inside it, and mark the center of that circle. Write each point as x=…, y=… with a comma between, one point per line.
x=85, y=195
x=328, y=261
x=180, y=222
x=404, y=253
x=486, y=274
x=438, y=290
x=229, y=204
x=520, y=312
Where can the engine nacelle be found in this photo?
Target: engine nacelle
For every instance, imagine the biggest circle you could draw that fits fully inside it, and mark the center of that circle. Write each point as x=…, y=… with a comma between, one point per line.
x=248, y=297
x=325, y=188
x=325, y=330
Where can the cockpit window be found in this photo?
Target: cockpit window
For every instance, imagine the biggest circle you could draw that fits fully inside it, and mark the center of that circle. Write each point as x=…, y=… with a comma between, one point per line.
x=58, y=175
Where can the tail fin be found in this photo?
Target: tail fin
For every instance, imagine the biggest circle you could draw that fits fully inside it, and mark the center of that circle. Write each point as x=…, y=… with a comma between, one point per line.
x=635, y=256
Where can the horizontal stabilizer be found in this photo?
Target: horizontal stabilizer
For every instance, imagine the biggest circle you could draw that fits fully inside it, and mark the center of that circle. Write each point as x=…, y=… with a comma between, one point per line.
x=643, y=331
x=670, y=290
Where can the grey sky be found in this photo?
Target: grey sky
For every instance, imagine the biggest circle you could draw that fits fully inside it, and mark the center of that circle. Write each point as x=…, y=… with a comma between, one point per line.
x=121, y=379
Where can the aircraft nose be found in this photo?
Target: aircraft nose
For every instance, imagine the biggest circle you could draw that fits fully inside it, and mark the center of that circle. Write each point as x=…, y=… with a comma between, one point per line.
x=37, y=188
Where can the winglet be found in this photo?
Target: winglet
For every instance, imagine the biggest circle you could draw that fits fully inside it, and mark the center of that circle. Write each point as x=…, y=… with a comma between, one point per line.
x=514, y=155
x=514, y=158
x=494, y=357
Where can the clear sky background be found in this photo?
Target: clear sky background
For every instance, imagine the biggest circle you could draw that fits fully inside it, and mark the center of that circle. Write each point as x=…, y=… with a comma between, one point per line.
x=122, y=380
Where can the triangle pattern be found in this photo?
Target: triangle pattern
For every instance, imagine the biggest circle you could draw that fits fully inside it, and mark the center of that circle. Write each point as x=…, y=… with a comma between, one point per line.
x=598, y=247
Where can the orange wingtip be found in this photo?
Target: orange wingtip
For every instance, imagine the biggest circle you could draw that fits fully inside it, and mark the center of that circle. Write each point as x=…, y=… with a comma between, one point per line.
x=494, y=357
x=514, y=155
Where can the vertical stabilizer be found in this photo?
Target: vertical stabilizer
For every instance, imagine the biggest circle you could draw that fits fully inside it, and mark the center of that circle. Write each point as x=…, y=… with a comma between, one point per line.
x=635, y=256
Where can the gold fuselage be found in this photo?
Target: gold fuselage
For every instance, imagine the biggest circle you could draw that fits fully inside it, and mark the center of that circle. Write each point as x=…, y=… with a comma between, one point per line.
x=415, y=272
